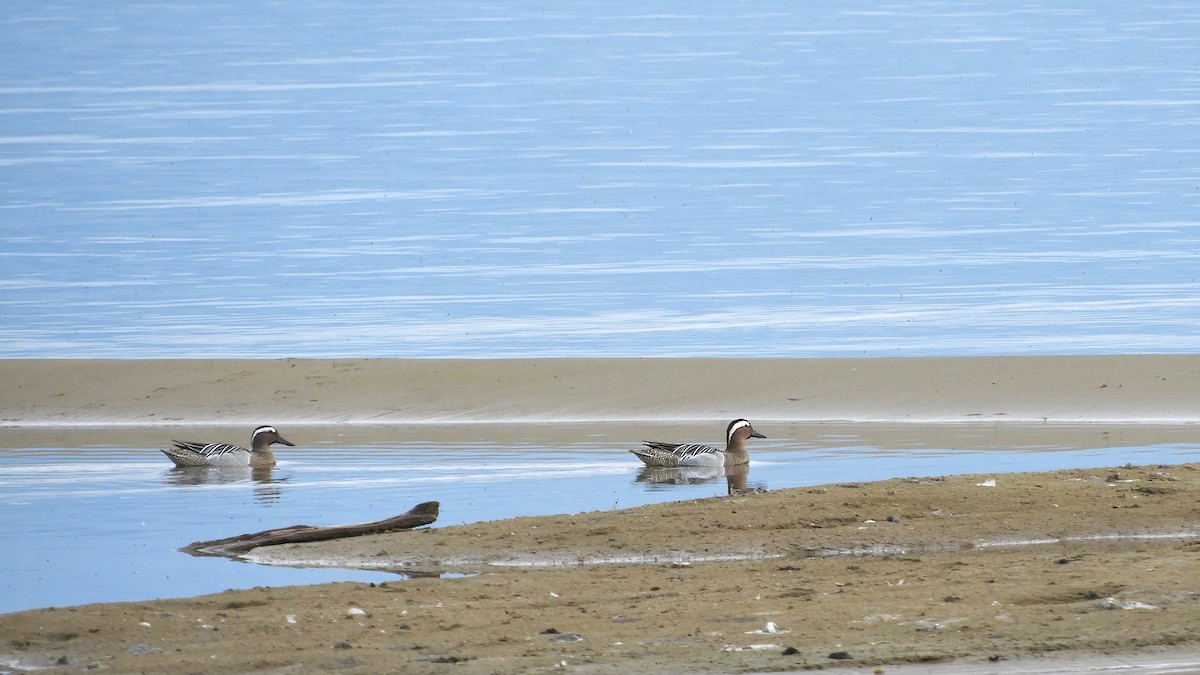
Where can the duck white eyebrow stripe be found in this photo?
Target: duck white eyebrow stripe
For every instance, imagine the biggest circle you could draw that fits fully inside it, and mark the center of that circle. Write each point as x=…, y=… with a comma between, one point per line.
x=735, y=427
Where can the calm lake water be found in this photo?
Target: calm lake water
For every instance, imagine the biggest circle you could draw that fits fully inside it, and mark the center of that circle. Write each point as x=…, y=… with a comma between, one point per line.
x=192, y=179
x=489, y=179
x=104, y=521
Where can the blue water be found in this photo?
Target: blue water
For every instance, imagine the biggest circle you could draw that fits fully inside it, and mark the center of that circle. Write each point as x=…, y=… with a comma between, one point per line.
x=489, y=179
x=193, y=179
x=98, y=522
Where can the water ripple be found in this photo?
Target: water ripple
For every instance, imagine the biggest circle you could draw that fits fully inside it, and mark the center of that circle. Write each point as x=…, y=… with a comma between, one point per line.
x=504, y=180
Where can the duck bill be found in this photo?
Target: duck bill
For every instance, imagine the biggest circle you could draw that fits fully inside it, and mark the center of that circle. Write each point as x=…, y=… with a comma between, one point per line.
x=281, y=439
x=753, y=434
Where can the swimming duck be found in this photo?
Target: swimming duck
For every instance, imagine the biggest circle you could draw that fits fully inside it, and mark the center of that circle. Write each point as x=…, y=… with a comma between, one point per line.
x=696, y=454
x=187, y=453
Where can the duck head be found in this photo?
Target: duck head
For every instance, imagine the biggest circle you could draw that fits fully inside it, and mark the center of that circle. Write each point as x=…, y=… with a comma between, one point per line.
x=739, y=430
x=265, y=436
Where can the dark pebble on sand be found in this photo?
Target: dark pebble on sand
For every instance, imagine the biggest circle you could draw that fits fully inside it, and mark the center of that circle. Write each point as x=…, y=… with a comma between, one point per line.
x=791, y=651
x=841, y=656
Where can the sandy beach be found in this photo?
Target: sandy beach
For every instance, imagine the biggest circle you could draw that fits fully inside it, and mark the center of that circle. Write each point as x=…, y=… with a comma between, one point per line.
x=982, y=571
x=239, y=393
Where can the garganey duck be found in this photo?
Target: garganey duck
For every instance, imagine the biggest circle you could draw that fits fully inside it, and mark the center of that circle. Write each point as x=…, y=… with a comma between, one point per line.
x=186, y=453
x=696, y=454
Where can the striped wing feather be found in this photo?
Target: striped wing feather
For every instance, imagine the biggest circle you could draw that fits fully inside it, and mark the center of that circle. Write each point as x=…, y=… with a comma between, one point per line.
x=210, y=450
x=682, y=450
x=675, y=454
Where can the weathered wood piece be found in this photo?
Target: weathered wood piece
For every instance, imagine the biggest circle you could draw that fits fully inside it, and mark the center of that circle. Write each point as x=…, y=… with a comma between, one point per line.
x=231, y=547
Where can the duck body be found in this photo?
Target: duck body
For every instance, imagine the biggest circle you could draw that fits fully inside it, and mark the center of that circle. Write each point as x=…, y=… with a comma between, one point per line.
x=657, y=453
x=190, y=453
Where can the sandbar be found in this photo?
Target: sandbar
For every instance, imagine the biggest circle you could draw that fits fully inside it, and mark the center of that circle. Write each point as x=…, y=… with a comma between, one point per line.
x=97, y=393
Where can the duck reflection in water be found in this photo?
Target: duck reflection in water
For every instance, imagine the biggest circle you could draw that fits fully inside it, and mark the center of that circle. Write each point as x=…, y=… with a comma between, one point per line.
x=267, y=490
x=737, y=477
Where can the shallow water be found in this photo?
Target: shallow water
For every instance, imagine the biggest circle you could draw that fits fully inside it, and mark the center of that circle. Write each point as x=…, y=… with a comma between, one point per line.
x=103, y=522
x=488, y=179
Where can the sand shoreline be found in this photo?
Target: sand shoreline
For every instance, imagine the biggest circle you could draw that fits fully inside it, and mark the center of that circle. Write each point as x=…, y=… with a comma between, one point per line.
x=1132, y=389
x=932, y=595
x=936, y=596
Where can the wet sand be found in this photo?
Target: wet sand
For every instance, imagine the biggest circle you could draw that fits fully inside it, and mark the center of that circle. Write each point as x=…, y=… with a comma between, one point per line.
x=953, y=569
x=1090, y=562
x=244, y=393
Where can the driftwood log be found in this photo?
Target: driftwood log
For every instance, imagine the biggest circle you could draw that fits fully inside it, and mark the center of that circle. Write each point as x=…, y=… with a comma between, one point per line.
x=232, y=547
